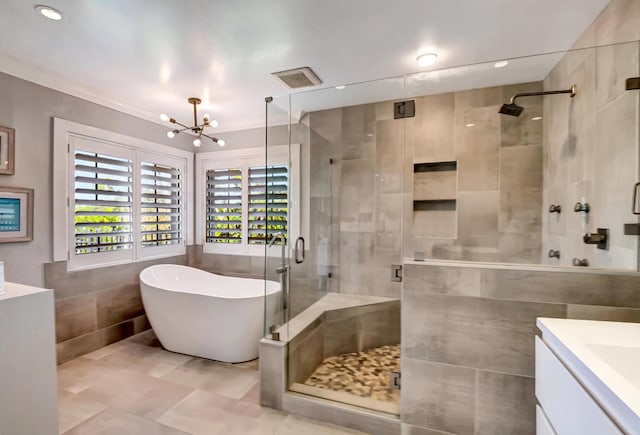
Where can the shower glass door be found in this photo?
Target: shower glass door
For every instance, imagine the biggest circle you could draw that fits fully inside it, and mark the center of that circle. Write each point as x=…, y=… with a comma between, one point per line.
x=347, y=194
x=270, y=204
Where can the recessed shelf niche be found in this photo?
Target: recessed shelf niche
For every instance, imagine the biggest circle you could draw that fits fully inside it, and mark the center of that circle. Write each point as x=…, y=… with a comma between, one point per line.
x=435, y=187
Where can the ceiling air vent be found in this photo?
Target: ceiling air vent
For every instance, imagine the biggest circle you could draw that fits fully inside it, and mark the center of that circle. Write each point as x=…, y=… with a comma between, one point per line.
x=297, y=78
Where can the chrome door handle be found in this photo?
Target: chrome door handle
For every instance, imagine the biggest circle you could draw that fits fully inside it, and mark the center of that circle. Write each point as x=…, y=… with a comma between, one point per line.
x=299, y=242
x=634, y=207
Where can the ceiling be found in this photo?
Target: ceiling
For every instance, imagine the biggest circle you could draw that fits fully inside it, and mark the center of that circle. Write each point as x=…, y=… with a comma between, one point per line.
x=145, y=57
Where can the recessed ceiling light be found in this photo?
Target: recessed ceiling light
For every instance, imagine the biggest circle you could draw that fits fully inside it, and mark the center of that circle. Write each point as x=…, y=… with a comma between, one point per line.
x=501, y=64
x=341, y=87
x=470, y=125
x=536, y=118
x=427, y=58
x=49, y=12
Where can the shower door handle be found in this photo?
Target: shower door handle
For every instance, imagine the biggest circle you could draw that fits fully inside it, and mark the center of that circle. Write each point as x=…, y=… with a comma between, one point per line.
x=299, y=257
x=635, y=199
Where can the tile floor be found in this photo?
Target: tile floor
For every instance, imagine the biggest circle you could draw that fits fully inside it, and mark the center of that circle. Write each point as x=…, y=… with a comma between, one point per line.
x=136, y=387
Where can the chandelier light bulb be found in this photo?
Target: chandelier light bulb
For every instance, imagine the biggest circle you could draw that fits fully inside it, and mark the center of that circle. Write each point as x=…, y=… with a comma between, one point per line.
x=213, y=123
x=164, y=117
x=197, y=142
x=221, y=142
x=49, y=12
x=171, y=134
x=206, y=117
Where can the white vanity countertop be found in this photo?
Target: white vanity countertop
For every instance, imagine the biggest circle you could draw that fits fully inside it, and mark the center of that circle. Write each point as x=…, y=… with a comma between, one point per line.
x=605, y=358
x=14, y=290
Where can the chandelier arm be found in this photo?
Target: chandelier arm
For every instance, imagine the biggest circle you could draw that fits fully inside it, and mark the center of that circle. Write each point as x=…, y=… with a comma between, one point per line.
x=215, y=139
x=181, y=125
x=183, y=129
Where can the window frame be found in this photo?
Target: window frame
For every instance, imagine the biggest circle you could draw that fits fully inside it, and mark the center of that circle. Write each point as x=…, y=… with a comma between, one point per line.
x=246, y=158
x=63, y=193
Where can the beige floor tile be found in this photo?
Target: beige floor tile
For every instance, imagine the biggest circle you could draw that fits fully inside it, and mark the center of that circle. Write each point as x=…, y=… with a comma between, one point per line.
x=107, y=350
x=143, y=359
x=223, y=379
x=253, y=395
x=114, y=422
x=199, y=413
x=294, y=425
x=79, y=374
x=136, y=393
x=73, y=410
x=136, y=387
x=267, y=423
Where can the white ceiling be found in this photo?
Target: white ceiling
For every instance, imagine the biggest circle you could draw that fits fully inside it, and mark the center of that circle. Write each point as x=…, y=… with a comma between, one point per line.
x=145, y=57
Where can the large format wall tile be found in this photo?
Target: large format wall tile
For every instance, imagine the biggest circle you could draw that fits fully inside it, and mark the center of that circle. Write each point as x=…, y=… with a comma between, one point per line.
x=610, y=314
x=67, y=284
x=476, y=149
x=75, y=316
x=306, y=352
x=473, y=332
x=618, y=22
x=118, y=304
x=438, y=396
x=358, y=126
x=478, y=218
x=505, y=404
x=434, y=129
x=455, y=281
x=614, y=290
x=358, y=188
x=390, y=156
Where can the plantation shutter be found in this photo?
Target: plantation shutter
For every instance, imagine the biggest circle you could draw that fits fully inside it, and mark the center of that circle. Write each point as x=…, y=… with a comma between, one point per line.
x=102, y=203
x=224, y=206
x=161, y=205
x=268, y=202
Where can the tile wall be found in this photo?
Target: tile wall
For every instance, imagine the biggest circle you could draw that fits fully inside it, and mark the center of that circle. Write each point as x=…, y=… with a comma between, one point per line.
x=499, y=184
x=592, y=141
x=97, y=307
x=468, y=339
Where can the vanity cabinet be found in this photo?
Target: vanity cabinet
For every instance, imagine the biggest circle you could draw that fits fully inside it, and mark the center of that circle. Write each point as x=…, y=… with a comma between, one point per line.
x=565, y=406
x=28, y=378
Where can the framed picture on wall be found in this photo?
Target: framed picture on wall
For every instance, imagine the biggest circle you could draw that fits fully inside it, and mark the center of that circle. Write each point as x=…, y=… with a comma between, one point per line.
x=16, y=214
x=7, y=150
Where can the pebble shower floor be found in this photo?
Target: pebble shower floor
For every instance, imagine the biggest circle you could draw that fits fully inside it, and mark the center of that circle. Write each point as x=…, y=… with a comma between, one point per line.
x=364, y=374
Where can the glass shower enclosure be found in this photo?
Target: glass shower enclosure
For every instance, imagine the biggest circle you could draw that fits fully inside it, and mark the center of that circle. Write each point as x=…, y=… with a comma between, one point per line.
x=425, y=167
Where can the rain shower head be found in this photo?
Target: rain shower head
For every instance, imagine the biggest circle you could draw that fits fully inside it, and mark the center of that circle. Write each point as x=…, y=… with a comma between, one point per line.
x=513, y=109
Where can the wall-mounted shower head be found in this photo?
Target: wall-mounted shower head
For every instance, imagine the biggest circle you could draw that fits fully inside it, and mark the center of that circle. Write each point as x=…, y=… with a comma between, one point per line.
x=514, y=110
x=511, y=109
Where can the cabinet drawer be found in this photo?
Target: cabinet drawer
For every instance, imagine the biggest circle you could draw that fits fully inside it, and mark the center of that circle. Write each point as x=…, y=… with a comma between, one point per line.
x=543, y=427
x=568, y=406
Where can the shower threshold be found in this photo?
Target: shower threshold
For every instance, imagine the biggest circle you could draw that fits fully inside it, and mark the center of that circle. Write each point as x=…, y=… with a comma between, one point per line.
x=361, y=379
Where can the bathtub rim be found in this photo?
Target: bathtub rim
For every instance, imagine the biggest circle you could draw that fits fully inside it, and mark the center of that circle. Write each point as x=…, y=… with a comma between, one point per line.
x=268, y=290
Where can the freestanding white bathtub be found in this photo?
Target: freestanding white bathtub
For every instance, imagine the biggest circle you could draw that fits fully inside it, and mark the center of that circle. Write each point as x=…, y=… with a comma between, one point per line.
x=207, y=315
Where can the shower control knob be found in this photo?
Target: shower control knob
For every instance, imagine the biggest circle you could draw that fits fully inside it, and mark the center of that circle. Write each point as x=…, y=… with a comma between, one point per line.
x=554, y=254
x=581, y=207
x=555, y=208
x=580, y=262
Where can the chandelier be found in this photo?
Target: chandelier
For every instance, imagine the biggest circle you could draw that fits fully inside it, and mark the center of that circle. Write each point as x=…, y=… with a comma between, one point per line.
x=197, y=129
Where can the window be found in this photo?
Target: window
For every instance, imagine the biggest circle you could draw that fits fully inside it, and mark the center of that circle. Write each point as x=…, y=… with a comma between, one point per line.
x=268, y=203
x=161, y=205
x=103, y=213
x=224, y=206
x=244, y=202
x=125, y=203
